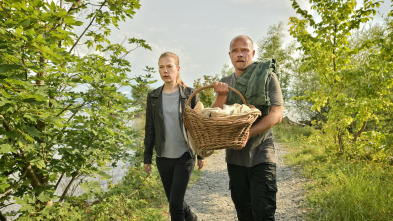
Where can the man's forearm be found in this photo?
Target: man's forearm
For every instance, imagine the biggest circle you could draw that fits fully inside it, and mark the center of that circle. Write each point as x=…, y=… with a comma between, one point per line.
x=268, y=121
x=220, y=101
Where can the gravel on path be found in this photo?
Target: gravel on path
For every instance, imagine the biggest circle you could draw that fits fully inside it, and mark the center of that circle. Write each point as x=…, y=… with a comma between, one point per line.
x=210, y=197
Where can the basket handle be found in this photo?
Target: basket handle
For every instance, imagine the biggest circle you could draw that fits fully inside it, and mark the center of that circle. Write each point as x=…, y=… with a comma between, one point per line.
x=212, y=86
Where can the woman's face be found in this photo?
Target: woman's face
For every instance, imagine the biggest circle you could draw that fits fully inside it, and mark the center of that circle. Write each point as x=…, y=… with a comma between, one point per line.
x=168, y=69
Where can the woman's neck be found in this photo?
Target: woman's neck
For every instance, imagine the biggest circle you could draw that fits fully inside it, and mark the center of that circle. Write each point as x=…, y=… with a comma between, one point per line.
x=170, y=88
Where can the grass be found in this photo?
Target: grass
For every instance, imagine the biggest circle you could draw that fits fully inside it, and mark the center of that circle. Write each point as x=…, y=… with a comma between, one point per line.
x=338, y=188
x=196, y=175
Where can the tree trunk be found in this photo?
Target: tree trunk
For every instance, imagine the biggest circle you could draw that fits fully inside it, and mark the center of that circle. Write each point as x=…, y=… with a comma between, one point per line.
x=340, y=143
x=67, y=188
x=357, y=134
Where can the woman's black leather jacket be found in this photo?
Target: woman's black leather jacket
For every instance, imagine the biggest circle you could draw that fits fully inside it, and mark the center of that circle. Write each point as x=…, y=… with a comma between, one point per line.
x=154, y=128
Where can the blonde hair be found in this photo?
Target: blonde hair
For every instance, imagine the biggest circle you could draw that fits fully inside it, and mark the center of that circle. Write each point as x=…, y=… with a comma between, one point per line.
x=173, y=55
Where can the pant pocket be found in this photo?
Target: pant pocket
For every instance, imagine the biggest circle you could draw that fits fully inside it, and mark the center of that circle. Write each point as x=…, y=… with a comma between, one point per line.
x=272, y=185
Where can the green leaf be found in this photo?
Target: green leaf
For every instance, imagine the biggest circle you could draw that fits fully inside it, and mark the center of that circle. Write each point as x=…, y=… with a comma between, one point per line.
x=5, y=148
x=69, y=20
x=25, y=202
x=40, y=163
x=3, y=184
x=29, y=138
x=9, y=67
x=25, y=23
x=104, y=175
x=44, y=196
x=33, y=131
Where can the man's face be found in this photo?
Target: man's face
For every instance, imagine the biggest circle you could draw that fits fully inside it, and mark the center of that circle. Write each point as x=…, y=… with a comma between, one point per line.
x=241, y=53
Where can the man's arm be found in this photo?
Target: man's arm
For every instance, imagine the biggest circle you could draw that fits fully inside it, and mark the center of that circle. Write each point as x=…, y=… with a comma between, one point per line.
x=273, y=118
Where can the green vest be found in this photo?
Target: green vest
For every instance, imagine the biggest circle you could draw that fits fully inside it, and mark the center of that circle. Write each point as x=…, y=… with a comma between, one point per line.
x=254, y=86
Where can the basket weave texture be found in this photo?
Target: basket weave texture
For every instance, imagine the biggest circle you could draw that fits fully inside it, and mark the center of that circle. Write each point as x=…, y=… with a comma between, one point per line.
x=214, y=133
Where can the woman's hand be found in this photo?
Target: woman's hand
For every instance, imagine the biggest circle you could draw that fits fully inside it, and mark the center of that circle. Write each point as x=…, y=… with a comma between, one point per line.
x=201, y=163
x=147, y=168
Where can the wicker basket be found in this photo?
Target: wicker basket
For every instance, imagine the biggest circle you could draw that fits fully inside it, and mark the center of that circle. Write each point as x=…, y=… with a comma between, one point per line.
x=216, y=133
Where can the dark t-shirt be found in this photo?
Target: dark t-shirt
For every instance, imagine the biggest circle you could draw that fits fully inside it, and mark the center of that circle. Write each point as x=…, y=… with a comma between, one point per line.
x=259, y=149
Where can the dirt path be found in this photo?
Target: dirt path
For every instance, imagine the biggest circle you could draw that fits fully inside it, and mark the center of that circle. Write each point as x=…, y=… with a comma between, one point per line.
x=210, y=198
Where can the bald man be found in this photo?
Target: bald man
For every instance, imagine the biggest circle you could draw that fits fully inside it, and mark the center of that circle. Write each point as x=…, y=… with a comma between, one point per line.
x=252, y=170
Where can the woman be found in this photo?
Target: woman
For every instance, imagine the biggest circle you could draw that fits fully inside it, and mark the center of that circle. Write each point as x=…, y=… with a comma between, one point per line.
x=164, y=130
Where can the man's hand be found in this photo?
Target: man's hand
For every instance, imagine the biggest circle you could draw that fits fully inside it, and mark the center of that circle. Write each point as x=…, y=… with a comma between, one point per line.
x=221, y=88
x=222, y=91
x=201, y=163
x=147, y=168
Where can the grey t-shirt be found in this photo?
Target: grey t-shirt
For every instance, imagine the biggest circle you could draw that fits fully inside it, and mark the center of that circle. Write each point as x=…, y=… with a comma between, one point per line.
x=175, y=144
x=259, y=149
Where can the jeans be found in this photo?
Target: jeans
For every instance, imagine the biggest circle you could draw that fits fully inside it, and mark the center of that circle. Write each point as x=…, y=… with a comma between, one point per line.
x=175, y=175
x=253, y=191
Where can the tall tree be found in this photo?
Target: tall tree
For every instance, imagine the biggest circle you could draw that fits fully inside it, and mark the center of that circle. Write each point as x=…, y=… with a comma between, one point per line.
x=226, y=70
x=345, y=89
x=61, y=113
x=302, y=83
x=207, y=96
x=272, y=46
x=140, y=90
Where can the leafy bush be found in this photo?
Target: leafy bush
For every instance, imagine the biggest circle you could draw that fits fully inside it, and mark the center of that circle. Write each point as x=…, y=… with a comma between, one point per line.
x=62, y=113
x=339, y=186
x=137, y=197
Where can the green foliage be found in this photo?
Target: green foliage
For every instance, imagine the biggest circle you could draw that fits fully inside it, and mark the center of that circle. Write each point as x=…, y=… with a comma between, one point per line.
x=284, y=133
x=352, y=192
x=206, y=96
x=196, y=174
x=140, y=89
x=61, y=111
x=271, y=46
x=338, y=187
x=227, y=70
x=349, y=94
x=137, y=197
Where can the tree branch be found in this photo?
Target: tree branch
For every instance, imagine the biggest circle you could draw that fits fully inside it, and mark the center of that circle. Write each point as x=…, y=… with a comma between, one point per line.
x=63, y=110
x=2, y=217
x=58, y=182
x=87, y=28
x=73, y=7
x=30, y=172
x=15, y=184
x=5, y=123
x=67, y=188
x=76, y=111
x=359, y=132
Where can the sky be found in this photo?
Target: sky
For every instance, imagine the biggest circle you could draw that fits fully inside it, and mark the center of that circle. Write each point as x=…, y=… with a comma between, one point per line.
x=199, y=32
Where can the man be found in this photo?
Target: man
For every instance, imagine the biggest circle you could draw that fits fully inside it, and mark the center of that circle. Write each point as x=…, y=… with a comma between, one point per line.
x=252, y=170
